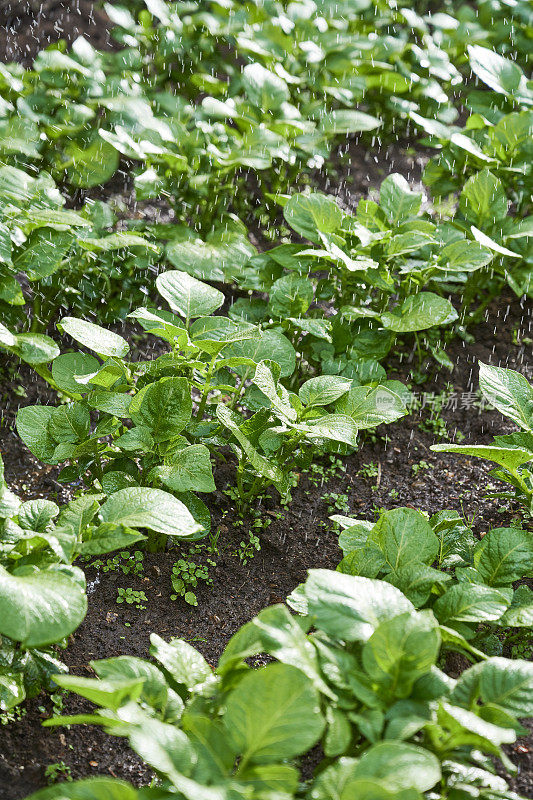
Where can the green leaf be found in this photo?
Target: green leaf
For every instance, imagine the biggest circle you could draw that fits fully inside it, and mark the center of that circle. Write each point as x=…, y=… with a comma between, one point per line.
x=32, y=427
x=266, y=90
x=310, y=215
x=164, y=407
x=43, y=253
x=469, y=602
x=290, y=296
x=404, y=536
x=190, y=470
x=42, y=607
x=187, y=295
x=348, y=121
x=261, y=464
x=36, y=515
x=419, y=312
x=369, y=407
x=163, y=747
x=347, y=607
x=102, y=341
x=397, y=199
x=271, y=346
x=93, y=165
x=509, y=392
x=181, y=660
x=501, y=74
x=35, y=348
x=109, y=537
x=400, y=766
x=219, y=258
x=507, y=457
x=111, y=693
x=89, y=789
x=506, y=683
x=483, y=200
x=141, y=507
x=401, y=650
x=465, y=256
x=337, y=427
x=69, y=423
x=504, y=555
x=323, y=390
x=520, y=612
x=266, y=733
x=66, y=367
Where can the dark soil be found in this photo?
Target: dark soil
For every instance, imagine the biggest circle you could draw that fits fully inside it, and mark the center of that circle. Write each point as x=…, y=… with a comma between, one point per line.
x=27, y=26
x=302, y=538
x=299, y=537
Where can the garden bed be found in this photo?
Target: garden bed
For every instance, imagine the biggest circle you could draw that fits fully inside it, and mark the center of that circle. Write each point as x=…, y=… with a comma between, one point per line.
x=393, y=467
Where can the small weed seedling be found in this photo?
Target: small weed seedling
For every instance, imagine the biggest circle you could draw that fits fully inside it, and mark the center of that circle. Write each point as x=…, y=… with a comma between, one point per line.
x=57, y=771
x=131, y=597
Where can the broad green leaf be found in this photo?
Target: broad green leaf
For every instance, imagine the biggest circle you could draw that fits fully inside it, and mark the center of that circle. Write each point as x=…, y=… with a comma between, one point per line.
x=404, y=536
x=506, y=683
x=271, y=346
x=507, y=457
x=187, y=295
x=483, y=200
x=219, y=258
x=290, y=296
x=35, y=348
x=469, y=602
x=36, y=515
x=401, y=650
x=400, y=766
x=369, y=407
x=310, y=215
x=108, y=537
x=69, y=423
x=181, y=660
x=501, y=74
x=89, y=789
x=520, y=612
x=142, y=507
x=43, y=253
x=337, y=427
x=265, y=90
x=42, y=607
x=419, y=312
x=261, y=464
x=347, y=607
x=163, y=747
x=100, y=340
x=465, y=256
x=265, y=733
x=509, y=392
x=504, y=555
x=190, y=470
x=164, y=407
x=323, y=390
x=348, y=121
x=93, y=165
x=32, y=427
x=66, y=367
x=397, y=199
x=107, y=693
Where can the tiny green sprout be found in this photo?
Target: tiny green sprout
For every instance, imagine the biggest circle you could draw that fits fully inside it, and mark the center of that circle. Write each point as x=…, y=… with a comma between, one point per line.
x=131, y=597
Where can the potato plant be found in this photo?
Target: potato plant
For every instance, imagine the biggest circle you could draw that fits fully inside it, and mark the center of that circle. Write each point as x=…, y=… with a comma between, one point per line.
x=356, y=673
x=133, y=423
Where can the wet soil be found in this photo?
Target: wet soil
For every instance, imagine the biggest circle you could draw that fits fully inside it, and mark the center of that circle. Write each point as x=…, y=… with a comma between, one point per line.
x=394, y=467
x=403, y=472
x=27, y=26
